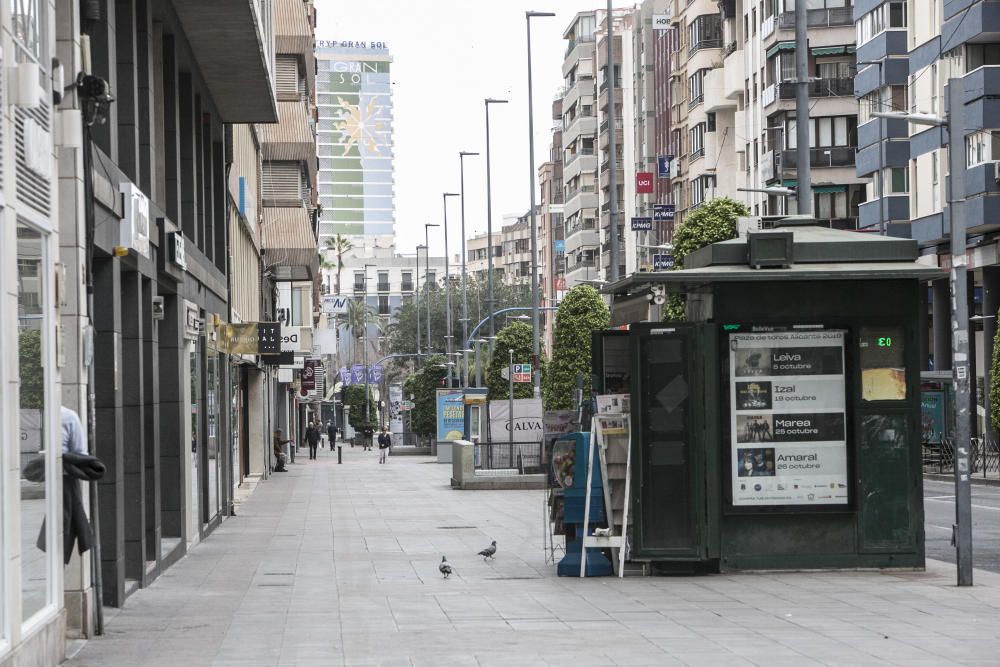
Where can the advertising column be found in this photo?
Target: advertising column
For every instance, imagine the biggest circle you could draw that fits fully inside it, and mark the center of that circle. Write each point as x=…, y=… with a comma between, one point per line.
x=788, y=407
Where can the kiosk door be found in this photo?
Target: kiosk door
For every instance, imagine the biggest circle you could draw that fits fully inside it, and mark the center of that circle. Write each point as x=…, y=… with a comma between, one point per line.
x=668, y=442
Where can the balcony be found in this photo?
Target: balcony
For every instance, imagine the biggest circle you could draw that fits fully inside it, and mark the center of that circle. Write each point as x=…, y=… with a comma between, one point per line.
x=769, y=95
x=359, y=288
x=819, y=88
x=821, y=158
x=407, y=286
x=704, y=44
x=833, y=17
x=383, y=287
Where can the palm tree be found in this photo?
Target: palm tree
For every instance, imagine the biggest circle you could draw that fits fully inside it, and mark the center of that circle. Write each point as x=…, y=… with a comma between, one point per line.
x=358, y=314
x=325, y=265
x=339, y=244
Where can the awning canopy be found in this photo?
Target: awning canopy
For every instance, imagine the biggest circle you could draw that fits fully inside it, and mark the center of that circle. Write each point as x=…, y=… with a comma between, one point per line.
x=838, y=50
x=291, y=138
x=293, y=34
x=780, y=46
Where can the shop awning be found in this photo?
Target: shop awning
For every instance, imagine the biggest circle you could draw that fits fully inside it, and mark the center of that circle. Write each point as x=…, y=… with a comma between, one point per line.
x=832, y=50
x=816, y=188
x=780, y=46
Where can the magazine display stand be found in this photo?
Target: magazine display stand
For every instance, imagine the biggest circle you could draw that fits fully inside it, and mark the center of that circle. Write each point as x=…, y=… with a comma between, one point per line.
x=611, y=432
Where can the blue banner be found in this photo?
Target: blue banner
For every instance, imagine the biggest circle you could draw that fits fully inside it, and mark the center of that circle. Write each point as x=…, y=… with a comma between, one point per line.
x=663, y=262
x=662, y=212
x=358, y=374
x=375, y=374
x=642, y=224
x=345, y=376
x=663, y=165
x=450, y=414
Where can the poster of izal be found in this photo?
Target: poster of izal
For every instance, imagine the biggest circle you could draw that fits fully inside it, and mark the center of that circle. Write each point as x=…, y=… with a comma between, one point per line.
x=788, y=429
x=395, y=403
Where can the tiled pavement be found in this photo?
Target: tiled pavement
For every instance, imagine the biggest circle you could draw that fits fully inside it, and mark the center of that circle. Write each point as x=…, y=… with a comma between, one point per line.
x=337, y=565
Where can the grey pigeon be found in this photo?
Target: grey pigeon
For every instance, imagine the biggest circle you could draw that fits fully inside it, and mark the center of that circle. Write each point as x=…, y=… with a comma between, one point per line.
x=445, y=567
x=489, y=551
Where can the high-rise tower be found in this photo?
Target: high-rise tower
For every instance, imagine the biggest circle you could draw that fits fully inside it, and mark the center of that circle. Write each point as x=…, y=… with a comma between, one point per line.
x=355, y=139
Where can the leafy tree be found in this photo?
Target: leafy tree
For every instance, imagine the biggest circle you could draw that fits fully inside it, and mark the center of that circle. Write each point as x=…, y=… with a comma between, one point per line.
x=516, y=336
x=358, y=314
x=423, y=386
x=402, y=331
x=581, y=312
x=354, y=396
x=29, y=350
x=710, y=223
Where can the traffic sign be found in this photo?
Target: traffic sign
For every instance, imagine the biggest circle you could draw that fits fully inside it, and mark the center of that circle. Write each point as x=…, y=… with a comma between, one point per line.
x=522, y=372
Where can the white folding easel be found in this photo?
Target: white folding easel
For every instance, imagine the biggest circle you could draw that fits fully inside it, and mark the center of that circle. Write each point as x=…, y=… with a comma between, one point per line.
x=608, y=541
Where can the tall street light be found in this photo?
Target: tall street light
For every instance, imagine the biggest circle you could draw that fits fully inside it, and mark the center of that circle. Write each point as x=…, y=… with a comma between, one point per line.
x=427, y=262
x=609, y=79
x=954, y=122
x=417, y=300
x=449, y=338
x=490, y=304
x=365, y=312
x=465, y=298
x=536, y=374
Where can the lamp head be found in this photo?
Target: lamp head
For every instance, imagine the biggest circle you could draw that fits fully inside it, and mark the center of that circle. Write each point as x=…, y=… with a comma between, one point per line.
x=494, y=100
x=530, y=14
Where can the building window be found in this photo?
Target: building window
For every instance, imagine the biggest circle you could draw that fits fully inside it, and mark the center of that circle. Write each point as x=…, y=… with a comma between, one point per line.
x=701, y=188
x=383, y=281
x=982, y=147
x=431, y=279
x=383, y=304
x=696, y=88
x=705, y=32
x=359, y=281
x=697, y=140
x=888, y=15
x=407, y=281
x=830, y=205
x=710, y=122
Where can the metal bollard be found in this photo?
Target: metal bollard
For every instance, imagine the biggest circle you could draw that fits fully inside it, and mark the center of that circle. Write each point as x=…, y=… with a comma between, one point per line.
x=340, y=454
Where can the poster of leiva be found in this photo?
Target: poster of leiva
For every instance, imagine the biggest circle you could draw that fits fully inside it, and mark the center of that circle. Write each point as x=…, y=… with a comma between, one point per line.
x=788, y=407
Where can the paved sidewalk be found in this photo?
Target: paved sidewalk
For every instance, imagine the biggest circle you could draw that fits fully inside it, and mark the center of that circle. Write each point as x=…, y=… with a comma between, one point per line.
x=337, y=565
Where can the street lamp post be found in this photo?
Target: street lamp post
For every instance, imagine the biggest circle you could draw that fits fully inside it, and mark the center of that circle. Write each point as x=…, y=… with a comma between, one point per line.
x=427, y=262
x=449, y=339
x=417, y=301
x=609, y=78
x=954, y=122
x=465, y=298
x=535, y=345
x=365, y=312
x=490, y=303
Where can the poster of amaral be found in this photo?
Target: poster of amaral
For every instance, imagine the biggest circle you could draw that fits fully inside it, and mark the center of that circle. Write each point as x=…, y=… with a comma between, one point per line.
x=788, y=418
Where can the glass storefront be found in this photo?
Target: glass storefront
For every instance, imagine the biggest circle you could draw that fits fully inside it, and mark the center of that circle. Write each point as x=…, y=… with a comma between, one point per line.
x=196, y=349
x=36, y=442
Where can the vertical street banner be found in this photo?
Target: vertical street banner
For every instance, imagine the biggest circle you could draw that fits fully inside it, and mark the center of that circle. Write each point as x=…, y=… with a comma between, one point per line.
x=450, y=414
x=788, y=426
x=358, y=374
x=345, y=376
x=375, y=374
x=307, y=376
x=395, y=408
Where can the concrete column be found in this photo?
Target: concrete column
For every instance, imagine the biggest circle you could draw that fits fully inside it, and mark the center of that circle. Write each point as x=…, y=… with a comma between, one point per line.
x=144, y=97
x=170, y=116
x=174, y=441
x=134, y=426
x=187, y=169
x=104, y=64
x=941, y=322
x=126, y=90
x=151, y=421
x=991, y=306
x=109, y=427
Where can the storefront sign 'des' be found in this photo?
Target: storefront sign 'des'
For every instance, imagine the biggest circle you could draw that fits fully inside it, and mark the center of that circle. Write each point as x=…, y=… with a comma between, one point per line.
x=296, y=339
x=250, y=338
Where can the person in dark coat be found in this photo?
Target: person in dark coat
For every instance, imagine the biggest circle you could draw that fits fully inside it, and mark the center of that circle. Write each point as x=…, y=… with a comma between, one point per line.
x=384, y=443
x=369, y=434
x=278, y=444
x=312, y=438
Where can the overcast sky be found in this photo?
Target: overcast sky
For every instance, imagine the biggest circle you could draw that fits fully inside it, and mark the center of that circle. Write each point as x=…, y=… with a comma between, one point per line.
x=448, y=56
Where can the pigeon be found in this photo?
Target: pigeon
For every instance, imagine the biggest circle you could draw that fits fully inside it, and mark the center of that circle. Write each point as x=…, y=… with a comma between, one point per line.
x=489, y=551
x=445, y=567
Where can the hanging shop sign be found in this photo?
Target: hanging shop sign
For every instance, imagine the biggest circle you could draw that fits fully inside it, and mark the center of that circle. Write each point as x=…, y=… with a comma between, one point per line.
x=663, y=165
x=643, y=182
x=788, y=418
x=249, y=338
x=663, y=262
x=642, y=224
x=663, y=212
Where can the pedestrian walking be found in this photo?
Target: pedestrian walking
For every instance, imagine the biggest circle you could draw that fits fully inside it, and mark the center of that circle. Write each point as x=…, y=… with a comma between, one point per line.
x=279, y=453
x=369, y=434
x=384, y=444
x=312, y=438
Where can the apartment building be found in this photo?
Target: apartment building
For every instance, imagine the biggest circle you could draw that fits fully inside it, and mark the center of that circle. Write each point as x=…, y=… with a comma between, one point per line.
x=579, y=136
x=478, y=254
x=911, y=57
x=551, y=234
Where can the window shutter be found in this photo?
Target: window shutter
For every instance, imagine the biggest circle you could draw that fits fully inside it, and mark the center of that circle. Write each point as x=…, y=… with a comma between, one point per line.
x=282, y=183
x=286, y=74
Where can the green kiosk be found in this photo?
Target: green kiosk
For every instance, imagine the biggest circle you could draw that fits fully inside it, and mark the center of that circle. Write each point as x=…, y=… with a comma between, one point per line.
x=779, y=425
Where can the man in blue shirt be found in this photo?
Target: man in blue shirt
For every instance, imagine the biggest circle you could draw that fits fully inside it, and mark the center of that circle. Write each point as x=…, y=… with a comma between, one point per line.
x=73, y=438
